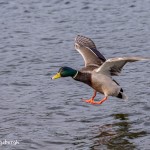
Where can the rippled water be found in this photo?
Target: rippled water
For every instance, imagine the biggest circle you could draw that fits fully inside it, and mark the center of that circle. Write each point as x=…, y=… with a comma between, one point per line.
x=36, y=38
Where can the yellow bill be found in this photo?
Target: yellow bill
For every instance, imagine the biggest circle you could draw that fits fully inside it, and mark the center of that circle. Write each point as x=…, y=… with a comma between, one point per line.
x=56, y=76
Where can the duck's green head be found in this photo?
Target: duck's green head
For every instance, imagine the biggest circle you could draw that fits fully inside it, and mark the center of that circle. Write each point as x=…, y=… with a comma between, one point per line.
x=65, y=72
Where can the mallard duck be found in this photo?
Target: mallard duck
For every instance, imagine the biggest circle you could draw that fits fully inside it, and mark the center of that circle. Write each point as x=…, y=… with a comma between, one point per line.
x=97, y=72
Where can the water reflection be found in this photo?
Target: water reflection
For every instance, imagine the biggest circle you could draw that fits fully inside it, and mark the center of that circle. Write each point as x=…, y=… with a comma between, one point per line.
x=118, y=135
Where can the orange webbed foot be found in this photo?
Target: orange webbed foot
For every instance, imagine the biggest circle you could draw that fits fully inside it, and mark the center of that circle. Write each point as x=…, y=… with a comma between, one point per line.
x=101, y=101
x=91, y=100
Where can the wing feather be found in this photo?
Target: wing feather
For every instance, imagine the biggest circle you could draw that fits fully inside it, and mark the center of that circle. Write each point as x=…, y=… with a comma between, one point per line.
x=115, y=65
x=86, y=47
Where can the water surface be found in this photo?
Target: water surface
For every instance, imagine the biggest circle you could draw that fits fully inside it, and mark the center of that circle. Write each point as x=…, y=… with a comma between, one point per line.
x=37, y=37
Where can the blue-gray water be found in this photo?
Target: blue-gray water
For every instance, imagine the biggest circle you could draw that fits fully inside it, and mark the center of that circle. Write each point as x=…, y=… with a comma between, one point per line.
x=36, y=38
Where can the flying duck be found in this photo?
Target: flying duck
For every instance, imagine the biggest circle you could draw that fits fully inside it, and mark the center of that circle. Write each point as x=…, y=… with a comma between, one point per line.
x=97, y=72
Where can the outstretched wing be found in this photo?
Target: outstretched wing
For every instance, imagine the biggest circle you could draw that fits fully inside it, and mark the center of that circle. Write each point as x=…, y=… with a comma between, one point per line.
x=86, y=47
x=115, y=65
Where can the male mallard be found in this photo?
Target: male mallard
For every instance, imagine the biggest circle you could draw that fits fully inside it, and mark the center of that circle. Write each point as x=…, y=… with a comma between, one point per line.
x=97, y=71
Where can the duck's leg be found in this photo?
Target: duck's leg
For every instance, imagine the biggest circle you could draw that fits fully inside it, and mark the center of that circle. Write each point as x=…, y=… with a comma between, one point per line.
x=91, y=100
x=101, y=101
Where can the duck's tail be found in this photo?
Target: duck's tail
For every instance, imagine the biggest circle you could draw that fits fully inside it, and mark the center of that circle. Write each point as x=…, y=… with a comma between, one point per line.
x=122, y=95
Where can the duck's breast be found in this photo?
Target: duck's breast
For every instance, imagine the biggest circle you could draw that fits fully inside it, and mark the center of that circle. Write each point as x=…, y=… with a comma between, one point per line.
x=104, y=84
